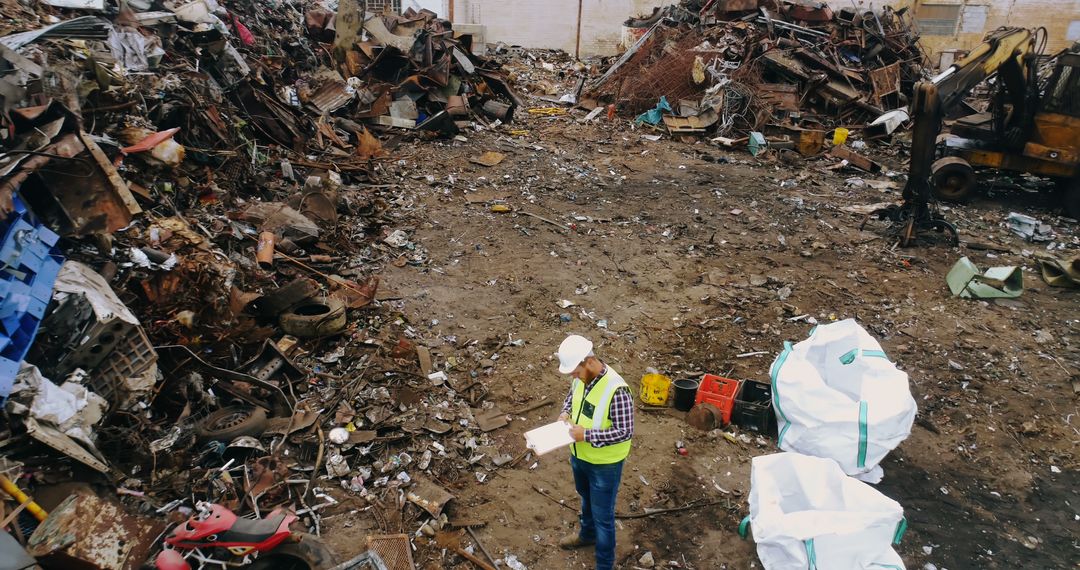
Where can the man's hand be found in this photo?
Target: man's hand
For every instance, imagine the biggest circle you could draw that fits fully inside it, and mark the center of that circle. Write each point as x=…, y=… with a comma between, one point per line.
x=578, y=433
x=564, y=417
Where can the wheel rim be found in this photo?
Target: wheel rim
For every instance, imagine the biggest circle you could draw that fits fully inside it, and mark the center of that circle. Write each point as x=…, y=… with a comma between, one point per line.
x=953, y=186
x=230, y=420
x=954, y=180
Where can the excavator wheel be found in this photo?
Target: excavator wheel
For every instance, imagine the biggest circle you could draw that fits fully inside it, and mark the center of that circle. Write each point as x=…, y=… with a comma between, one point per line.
x=1070, y=198
x=954, y=179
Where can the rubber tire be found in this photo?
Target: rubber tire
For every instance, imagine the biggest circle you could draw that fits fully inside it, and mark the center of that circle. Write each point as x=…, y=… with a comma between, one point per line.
x=1070, y=198
x=328, y=323
x=254, y=424
x=953, y=179
x=307, y=553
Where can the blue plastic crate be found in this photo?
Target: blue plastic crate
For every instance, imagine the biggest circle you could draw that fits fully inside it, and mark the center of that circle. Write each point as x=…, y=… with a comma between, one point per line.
x=8, y=370
x=29, y=265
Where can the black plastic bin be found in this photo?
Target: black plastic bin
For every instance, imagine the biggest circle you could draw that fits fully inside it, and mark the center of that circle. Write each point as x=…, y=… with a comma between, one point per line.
x=754, y=409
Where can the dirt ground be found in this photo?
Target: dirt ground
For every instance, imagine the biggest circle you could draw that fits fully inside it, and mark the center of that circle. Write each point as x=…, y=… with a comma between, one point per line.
x=689, y=252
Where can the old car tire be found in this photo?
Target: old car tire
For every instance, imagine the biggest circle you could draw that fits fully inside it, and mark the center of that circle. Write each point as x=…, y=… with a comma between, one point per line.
x=307, y=552
x=315, y=318
x=954, y=179
x=232, y=422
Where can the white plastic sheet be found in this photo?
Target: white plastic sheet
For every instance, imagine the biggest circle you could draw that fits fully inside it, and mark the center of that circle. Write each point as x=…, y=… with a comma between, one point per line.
x=806, y=513
x=837, y=395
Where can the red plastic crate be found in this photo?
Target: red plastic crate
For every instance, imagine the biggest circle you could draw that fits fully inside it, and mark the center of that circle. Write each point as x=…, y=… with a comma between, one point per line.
x=720, y=392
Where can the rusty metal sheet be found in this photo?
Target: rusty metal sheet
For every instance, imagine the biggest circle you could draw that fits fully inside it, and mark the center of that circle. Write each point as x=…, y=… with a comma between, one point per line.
x=83, y=197
x=428, y=496
x=380, y=106
x=90, y=532
x=58, y=440
x=810, y=13
x=855, y=159
x=784, y=64
x=270, y=117
x=118, y=185
x=885, y=80
x=782, y=96
x=736, y=5
x=331, y=96
x=394, y=549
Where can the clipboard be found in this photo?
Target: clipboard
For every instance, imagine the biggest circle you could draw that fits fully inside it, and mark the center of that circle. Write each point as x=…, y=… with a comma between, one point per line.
x=548, y=438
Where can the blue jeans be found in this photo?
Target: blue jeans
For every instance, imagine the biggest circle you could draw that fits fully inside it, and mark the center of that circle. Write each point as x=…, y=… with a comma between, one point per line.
x=598, y=485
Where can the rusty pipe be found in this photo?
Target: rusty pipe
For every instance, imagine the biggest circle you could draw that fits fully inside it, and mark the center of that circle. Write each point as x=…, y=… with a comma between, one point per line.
x=264, y=250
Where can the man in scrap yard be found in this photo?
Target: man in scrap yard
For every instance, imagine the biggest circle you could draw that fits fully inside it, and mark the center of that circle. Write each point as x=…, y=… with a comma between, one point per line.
x=600, y=410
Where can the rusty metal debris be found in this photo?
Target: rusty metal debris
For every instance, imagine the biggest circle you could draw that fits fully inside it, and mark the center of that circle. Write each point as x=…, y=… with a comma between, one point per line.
x=393, y=549
x=87, y=531
x=216, y=176
x=735, y=67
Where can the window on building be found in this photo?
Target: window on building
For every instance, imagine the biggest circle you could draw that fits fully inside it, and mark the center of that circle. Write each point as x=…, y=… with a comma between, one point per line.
x=379, y=5
x=938, y=19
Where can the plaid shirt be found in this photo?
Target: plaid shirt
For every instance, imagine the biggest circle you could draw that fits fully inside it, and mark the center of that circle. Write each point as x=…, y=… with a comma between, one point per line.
x=621, y=413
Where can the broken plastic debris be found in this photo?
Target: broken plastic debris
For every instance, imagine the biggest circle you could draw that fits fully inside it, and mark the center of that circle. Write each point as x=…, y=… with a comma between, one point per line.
x=1029, y=228
x=397, y=238
x=336, y=466
x=513, y=563
x=339, y=435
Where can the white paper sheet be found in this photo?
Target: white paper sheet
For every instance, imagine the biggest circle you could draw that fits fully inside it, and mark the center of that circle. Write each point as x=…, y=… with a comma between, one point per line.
x=549, y=437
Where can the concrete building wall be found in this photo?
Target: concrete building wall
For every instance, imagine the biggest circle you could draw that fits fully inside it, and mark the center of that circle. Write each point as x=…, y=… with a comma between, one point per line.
x=945, y=24
x=440, y=7
x=553, y=24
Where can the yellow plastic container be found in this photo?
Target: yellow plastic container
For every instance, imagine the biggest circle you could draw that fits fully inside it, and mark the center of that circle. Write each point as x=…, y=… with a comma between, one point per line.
x=654, y=389
x=839, y=136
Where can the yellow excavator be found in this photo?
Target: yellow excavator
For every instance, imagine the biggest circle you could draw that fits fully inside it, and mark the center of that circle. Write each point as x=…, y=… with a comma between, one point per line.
x=1032, y=125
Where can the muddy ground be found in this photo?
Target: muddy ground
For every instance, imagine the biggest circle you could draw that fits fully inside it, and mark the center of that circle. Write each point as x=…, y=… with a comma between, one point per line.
x=694, y=254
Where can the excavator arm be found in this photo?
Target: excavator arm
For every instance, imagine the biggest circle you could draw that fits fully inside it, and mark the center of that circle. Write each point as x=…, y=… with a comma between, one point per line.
x=1004, y=52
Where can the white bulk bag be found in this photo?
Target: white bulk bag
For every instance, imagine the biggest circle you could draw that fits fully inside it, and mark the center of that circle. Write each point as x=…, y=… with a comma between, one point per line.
x=806, y=513
x=838, y=396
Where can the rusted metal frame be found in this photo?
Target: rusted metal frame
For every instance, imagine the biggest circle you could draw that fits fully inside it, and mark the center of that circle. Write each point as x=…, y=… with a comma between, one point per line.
x=231, y=374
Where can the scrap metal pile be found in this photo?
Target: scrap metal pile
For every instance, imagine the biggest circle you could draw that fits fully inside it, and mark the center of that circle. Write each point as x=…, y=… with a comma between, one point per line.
x=731, y=67
x=193, y=225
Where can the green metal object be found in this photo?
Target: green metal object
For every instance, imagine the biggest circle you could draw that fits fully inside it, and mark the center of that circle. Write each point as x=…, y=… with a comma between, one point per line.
x=757, y=143
x=967, y=281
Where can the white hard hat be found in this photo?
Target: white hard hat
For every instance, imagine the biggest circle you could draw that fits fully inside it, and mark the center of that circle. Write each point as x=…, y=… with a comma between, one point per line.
x=572, y=351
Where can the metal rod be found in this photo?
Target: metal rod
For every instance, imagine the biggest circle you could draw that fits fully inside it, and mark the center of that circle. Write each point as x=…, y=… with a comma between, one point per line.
x=476, y=539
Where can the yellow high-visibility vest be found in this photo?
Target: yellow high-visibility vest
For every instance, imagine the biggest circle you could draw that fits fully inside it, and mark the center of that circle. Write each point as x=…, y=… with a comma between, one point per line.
x=599, y=398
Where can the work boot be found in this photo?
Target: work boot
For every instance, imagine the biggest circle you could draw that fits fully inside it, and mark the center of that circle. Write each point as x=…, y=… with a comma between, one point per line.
x=572, y=541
